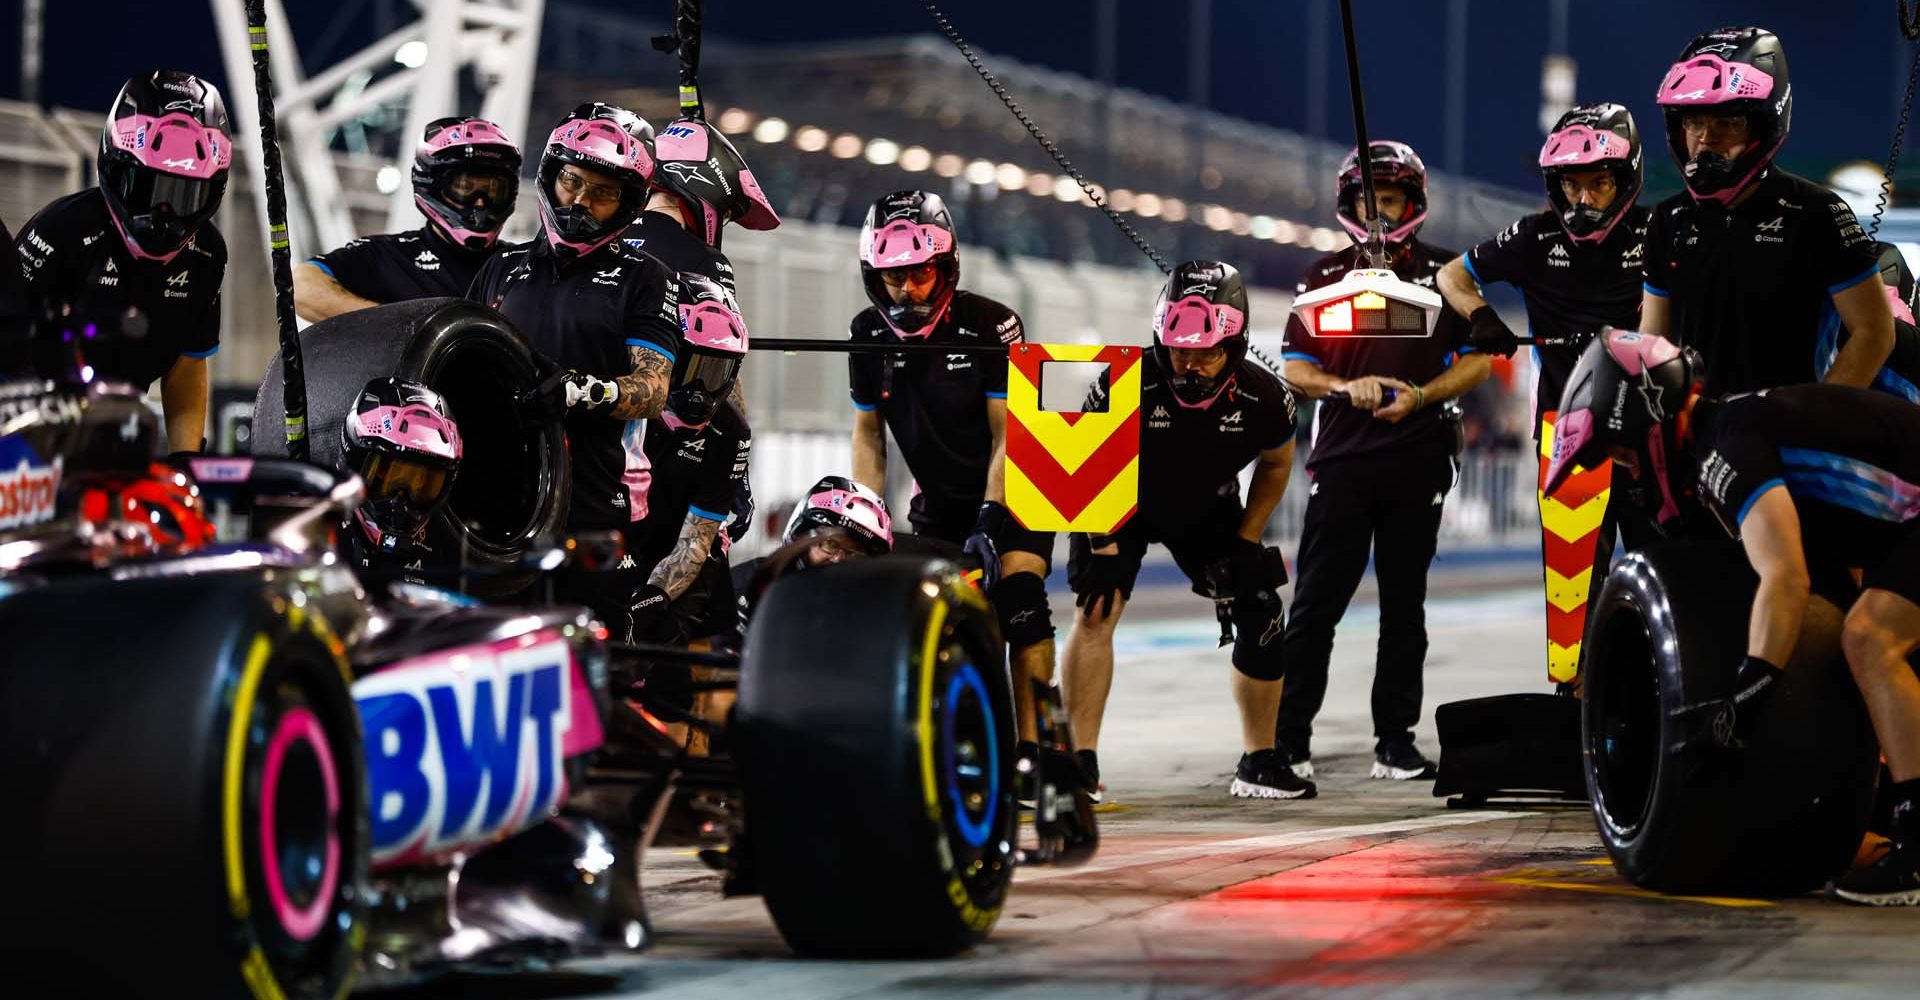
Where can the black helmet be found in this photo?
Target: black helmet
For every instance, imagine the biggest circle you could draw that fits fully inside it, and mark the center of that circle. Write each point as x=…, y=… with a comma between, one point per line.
x=1202, y=305
x=459, y=161
x=909, y=233
x=839, y=503
x=607, y=139
x=1729, y=71
x=164, y=158
x=1593, y=137
x=697, y=163
x=1393, y=163
x=1626, y=391
x=402, y=442
x=713, y=343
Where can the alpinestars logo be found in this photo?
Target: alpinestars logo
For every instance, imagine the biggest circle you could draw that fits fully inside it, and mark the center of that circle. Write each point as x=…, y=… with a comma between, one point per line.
x=684, y=171
x=176, y=286
x=1653, y=393
x=610, y=276
x=426, y=261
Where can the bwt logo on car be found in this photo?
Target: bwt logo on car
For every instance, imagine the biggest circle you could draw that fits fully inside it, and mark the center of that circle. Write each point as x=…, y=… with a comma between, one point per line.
x=466, y=745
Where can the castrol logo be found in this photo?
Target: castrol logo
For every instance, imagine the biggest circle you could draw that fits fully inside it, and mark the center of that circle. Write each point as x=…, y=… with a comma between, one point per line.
x=27, y=494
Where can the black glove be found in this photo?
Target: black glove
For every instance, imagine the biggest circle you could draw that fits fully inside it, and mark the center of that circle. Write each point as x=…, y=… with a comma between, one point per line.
x=1251, y=574
x=566, y=390
x=651, y=613
x=1490, y=334
x=984, y=544
x=1727, y=722
x=1103, y=583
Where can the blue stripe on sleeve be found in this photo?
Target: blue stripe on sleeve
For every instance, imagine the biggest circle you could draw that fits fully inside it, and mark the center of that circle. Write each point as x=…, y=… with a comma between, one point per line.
x=1468, y=259
x=867, y=407
x=1856, y=279
x=1754, y=497
x=705, y=514
x=209, y=352
x=1298, y=356
x=1652, y=290
x=321, y=264
x=651, y=346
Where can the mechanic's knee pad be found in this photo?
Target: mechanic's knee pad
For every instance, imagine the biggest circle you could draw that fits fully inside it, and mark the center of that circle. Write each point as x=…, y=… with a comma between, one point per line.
x=1021, y=602
x=1258, y=648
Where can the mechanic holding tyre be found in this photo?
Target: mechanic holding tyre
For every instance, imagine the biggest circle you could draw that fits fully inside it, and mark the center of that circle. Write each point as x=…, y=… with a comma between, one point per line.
x=138, y=258
x=698, y=452
x=1578, y=266
x=1381, y=465
x=607, y=317
x=1208, y=412
x=1751, y=264
x=949, y=415
x=466, y=177
x=1813, y=480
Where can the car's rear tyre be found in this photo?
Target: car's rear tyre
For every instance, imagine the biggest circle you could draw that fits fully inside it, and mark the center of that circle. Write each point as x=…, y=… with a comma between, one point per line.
x=512, y=488
x=1777, y=817
x=194, y=794
x=875, y=739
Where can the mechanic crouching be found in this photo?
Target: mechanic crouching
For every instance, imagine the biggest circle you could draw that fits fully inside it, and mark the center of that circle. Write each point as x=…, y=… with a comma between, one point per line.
x=1208, y=411
x=949, y=414
x=1813, y=480
x=400, y=439
x=698, y=454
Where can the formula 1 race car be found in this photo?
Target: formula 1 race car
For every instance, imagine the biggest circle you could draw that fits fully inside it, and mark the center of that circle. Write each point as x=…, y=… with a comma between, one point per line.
x=243, y=768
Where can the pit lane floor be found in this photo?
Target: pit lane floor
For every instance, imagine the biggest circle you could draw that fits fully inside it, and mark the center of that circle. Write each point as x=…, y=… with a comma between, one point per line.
x=1375, y=889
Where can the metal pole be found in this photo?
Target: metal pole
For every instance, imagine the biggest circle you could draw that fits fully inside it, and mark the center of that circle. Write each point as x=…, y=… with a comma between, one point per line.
x=1456, y=86
x=293, y=370
x=435, y=94
x=32, y=23
x=1199, y=72
x=1376, y=235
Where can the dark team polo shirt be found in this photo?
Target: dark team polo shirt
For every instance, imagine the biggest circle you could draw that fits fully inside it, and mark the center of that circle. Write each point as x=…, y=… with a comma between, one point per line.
x=1342, y=431
x=936, y=405
x=1752, y=289
x=664, y=239
x=1571, y=289
x=696, y=471
x=1189, y=457
x=72, y=255
x=396, y=267
x=584, y=315
x=1850, y=458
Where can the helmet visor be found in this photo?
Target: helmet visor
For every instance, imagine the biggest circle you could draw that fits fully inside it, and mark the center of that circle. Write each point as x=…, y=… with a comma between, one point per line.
x=466, y=187
x=713, y=373
x=145, y=191
x=388, y=475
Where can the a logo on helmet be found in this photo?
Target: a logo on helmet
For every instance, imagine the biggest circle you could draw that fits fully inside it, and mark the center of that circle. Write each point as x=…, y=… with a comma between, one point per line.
x=1652, y=393
x=678, y=132
x=686, y=172
x=898, y=258
x=185, y=163
x=1722, y=49
x=1691, y=95
x=190, y=106
x=140, y=137
x=1191, y=338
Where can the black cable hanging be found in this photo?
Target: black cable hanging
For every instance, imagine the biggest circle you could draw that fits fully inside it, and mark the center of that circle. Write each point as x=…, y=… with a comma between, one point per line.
x=1910, y=29
x=685, y=40
x=293, y=369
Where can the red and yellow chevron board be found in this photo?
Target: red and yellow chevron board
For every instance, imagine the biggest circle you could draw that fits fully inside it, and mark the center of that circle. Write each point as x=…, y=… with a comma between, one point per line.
x=1570, y=523
x=1073, y=471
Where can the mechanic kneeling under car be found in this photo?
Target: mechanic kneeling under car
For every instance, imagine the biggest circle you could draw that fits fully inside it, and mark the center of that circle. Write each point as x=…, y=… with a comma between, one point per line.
x=698, y=452
x=607, y=317
x=949, y=415
x=1812, y=480
x=1208, y=410
x=1382, y=465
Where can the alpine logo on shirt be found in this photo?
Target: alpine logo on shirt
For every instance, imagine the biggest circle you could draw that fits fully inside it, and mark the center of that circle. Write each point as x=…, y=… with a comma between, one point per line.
x=610, y=276
x=1232, y=422
x=1762, y=231
x=177, y=286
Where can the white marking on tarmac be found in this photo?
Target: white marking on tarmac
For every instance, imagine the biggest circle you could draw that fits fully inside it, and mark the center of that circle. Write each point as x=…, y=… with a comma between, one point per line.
x=1267, y=842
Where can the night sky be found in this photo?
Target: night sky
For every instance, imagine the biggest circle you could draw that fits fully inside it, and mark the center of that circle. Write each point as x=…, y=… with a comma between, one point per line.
x=1847, y=59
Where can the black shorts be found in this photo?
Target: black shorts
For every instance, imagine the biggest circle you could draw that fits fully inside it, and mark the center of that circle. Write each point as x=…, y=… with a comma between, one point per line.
x=952, y=526
x=1195, y=543
x=1899, y=572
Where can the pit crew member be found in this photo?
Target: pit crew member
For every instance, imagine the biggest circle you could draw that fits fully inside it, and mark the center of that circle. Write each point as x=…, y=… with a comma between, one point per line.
x=400, y=439
x=1208, y=411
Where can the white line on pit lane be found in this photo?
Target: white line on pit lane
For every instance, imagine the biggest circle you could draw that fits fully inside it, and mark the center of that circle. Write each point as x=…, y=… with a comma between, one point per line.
x=1265, y=842
x=1201, y=631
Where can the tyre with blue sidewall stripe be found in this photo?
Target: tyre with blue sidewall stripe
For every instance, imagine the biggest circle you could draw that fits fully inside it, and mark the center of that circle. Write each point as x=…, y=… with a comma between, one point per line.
x=874, y=734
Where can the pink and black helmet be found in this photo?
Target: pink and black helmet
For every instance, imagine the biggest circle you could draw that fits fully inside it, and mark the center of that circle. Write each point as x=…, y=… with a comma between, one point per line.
x=1392, y=163
x=1627, y=391
x=402, y=442
x=1591, y=137
x=164, y=158
x=839, y=502
x=700, y=165
x=1729, y=71
x=608, y=140
x=466, y=177
x=909, y=231
x=713, y=344
x=1202, y=305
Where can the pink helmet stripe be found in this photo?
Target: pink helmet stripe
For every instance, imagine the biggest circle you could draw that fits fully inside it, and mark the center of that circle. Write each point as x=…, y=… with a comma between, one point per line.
x=472, y=132
x=857, y=508
x=1194, y=323
x=1706, y=80
x=1572, y=433
x=713, y=326
x=1579, y=145
x=902, y=244
x=761, y=215
x=1638, y=353
x=174, y=143
x=416, y=428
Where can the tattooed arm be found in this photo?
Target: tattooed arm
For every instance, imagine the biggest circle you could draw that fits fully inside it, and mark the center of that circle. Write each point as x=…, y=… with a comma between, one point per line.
x=643, y=393
x=682, y=566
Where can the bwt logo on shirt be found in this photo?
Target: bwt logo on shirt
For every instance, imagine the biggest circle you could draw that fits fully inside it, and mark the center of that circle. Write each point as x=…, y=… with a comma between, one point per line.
x=464, y=747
